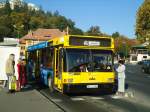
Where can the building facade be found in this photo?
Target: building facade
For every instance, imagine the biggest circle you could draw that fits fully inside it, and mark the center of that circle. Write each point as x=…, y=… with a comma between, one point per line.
x=139, y=53
x=40, y=35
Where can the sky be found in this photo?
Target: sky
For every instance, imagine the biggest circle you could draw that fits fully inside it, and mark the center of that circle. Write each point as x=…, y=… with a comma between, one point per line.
x=111, y=15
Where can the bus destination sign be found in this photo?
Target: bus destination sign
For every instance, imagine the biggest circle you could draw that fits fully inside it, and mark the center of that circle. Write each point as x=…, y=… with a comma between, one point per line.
x=89, y=41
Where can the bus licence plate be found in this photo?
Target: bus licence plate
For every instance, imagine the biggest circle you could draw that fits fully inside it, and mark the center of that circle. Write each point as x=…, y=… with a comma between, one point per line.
x=92, y=86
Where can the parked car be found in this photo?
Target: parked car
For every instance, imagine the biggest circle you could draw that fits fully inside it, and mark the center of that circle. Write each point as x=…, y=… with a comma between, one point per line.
x=146, y=66
x=142, y=62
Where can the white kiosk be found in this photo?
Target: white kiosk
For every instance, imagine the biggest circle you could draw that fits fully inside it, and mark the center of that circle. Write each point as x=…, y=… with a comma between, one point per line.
x=9, y=46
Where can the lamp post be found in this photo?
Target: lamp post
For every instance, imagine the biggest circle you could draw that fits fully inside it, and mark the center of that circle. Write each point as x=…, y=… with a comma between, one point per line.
x=17, y=29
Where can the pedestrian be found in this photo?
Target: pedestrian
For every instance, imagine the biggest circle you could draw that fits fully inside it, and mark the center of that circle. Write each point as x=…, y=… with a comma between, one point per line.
x=23, y=75
x=121, y=78
x=10, y=70
x=19, y=74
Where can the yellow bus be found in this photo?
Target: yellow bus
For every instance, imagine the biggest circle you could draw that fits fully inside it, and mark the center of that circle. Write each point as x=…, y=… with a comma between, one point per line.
x=75, y=63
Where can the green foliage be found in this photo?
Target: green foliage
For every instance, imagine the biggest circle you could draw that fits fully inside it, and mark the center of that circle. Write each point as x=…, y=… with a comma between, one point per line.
x=115, y=35
x=5, y=26
x=36, y=22
x=5, y=31
x=143, y=21
x=20, y=20
x=7, y=8
x=94, y=30
x=60, y=22
x=76, y=31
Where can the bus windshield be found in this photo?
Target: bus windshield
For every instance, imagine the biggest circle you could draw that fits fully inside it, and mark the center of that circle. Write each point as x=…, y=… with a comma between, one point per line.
x=85, y=60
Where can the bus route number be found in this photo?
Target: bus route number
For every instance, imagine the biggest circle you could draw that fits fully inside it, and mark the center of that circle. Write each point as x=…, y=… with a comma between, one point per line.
x=91, y=43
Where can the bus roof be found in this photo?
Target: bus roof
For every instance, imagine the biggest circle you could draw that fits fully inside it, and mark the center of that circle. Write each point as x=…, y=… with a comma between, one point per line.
x=76, y=41
x=82, y=40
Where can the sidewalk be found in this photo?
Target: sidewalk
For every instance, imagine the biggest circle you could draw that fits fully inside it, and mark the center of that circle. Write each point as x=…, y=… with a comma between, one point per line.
x=26, y=101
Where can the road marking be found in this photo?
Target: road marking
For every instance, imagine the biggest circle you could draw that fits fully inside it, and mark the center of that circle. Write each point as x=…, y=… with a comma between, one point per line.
x=116, y=97
x=93, y=97
x=126, y=95
x=57, y=100
x=96, y=98
x=77, y=99
x=130, y=71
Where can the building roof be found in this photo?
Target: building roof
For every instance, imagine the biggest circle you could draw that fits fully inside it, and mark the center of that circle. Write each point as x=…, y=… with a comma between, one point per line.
x=42, y=35
x=141, y=46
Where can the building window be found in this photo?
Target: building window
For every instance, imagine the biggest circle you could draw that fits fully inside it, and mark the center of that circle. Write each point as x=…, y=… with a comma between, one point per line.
x=134, y=58
x=23, y=48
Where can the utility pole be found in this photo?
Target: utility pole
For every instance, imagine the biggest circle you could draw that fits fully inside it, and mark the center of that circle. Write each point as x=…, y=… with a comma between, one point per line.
x=67, y=30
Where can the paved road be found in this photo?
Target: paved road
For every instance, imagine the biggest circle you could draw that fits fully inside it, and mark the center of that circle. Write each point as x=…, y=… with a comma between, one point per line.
x=138, y=85
x=40, y=100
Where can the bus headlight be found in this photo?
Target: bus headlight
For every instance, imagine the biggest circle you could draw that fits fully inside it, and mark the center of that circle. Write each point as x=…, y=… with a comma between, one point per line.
x=68, y=80
x=110, y=79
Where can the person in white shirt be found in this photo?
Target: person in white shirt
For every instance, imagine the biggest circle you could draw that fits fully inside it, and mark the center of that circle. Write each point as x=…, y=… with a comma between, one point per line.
x=121, y=77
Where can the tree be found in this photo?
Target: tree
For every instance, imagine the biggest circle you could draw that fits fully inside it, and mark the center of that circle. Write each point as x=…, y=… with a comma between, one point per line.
x=94, y=30
x=56, y=13
x=4, y=31
x=24, y=8
x=17, y=5
x=5, y=26
x=48, y=14
x=18, y=21
x=115, y=35
x=36, y=22
x=7, y=8
x=60, y=22
x=143, y=22
x=76, y=31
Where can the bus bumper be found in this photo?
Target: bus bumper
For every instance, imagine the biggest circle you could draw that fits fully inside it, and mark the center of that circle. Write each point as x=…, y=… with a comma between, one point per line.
x=88, y=88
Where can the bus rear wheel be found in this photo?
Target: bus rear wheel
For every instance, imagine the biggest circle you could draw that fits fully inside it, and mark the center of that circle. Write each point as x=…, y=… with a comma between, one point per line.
x=50, y=84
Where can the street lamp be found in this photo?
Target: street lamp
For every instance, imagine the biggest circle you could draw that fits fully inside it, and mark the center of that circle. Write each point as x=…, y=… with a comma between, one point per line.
x=17, y=29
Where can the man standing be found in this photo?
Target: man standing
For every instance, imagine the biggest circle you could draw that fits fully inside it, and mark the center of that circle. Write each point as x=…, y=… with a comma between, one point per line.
x=10, y=70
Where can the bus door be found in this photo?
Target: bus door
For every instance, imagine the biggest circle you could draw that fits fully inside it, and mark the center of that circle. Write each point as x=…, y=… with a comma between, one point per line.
x=58, y=69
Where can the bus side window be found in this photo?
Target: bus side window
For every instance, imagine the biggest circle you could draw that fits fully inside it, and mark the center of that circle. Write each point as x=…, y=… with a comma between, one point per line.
x=49, y=58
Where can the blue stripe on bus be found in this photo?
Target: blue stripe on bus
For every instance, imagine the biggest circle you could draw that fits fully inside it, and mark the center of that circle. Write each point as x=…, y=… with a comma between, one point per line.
x=37, y=46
